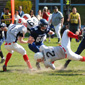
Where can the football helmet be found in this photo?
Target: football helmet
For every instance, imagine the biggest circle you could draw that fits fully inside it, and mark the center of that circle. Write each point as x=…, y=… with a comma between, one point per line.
x=38, y=55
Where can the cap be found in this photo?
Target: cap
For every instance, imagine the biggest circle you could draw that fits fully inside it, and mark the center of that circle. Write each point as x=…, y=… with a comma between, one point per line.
x=45, y=7
x=55, y=7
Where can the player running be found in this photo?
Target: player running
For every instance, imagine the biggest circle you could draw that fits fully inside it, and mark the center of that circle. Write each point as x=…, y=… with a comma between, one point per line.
x=50, y=54
x=14, y=33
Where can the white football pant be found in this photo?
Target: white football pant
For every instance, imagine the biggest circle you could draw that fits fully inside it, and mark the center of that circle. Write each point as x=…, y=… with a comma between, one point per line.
x=57, y=30
x=15, y=47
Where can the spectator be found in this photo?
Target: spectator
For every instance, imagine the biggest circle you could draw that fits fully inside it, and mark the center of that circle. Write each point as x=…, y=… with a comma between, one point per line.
x=39, y=15
x=31, y=13
x=3, y=12
x=20, y=11
x=6, y=18
x=16, y=15
x=57, y=21
x=75, y=20
x=45, y=13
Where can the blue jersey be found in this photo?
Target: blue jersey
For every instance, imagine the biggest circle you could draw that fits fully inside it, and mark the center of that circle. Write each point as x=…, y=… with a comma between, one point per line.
x=38, y=35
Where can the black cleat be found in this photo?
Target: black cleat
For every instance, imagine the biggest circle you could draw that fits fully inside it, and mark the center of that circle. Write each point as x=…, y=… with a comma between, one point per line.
x=4, y=68
x=66, y=64
x=38, y=65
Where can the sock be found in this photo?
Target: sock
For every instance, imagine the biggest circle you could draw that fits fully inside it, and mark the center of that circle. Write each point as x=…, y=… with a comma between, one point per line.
x=7, y=58
x=83, y=60
x=52, y=62
x=72, y=35
x=1, y=54
x=26, y=59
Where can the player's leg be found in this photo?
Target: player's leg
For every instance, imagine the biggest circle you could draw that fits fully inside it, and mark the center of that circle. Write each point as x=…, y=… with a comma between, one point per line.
x=18, y=48
x=8, y=56
x=33, y=47
x=1, y=53
x=57, y=30
x=79, y=50
x=73, y=56
x=81, y=47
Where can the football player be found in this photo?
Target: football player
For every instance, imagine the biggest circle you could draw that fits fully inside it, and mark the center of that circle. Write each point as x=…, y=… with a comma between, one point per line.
x=50, y=54
x=38, y=33
x=14, y=33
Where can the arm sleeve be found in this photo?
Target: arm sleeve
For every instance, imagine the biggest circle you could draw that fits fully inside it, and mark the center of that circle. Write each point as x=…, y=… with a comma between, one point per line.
x=72, y=35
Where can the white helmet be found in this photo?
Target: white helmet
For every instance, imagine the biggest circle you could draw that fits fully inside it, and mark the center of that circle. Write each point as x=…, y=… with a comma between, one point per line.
x=38, y=55
x=30, y=23
x=20, y=21
x=26, y=16
x=35, y=20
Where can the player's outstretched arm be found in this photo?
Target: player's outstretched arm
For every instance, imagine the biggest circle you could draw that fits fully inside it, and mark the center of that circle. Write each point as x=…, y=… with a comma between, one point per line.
x=20, y=39
x=72, y=35
x=31, y=40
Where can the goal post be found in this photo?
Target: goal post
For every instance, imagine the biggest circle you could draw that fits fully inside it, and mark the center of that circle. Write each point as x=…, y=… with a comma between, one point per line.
x=12, y=10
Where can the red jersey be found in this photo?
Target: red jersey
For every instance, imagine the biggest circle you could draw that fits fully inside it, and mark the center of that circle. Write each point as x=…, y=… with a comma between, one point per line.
x=45, y=16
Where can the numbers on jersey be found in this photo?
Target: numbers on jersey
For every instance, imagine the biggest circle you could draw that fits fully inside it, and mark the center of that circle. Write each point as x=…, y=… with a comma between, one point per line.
x=30, y=22
x=12, y=27
x=48, y=54
x=39, y=38
x=20, y=20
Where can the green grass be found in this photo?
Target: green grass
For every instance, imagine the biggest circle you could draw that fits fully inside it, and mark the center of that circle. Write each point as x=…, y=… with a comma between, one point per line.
x=19, y=74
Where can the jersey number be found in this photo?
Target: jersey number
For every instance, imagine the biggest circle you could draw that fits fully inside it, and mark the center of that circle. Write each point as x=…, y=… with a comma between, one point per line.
x=48, y=54
x=39, y=38
x=30, y=22
x=12, y=27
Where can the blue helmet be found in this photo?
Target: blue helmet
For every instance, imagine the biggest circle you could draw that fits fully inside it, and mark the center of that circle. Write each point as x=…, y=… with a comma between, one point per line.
x=43, y=22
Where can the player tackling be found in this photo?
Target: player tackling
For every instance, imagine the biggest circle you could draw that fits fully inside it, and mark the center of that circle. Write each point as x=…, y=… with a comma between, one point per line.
x=50, y=54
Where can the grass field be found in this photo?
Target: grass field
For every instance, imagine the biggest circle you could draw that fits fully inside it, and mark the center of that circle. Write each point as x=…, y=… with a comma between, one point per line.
x=19, y=74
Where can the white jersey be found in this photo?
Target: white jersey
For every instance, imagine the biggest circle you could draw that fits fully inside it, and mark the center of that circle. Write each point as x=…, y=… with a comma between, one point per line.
x=14, y=31
x=65, y=42
x=52, y=54
x=35, y=20
x=30, y=23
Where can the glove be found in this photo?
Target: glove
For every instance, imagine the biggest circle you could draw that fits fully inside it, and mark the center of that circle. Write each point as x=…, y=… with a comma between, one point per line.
x=80, y=37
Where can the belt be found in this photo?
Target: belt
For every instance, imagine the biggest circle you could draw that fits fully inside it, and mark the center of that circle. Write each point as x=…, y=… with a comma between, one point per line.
x=64, y=51
x=8, y=43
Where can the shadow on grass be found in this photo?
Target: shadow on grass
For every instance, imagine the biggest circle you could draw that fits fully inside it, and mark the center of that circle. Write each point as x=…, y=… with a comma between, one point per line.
x=17, y=66
x=64, y=73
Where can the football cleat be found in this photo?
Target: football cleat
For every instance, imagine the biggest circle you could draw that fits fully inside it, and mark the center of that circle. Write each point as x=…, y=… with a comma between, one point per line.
x=38, y=65
x=4, y=68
